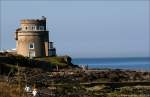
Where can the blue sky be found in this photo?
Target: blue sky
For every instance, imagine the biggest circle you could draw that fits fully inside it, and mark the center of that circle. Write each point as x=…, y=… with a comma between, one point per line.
x=85, y=28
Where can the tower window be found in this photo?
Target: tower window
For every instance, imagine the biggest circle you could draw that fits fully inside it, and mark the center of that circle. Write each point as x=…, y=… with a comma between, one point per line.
x=41, y=27
x=31, y=46
x=33, y=28
x=26, y=28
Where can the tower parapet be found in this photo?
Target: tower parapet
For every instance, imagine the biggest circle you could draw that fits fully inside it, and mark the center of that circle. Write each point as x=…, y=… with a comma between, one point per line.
x=33, y=24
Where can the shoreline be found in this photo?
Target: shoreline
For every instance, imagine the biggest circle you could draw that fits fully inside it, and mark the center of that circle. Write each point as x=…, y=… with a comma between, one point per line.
x=130, y=63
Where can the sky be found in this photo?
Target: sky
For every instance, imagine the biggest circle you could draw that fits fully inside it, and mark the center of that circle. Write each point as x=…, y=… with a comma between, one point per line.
x=84, y=28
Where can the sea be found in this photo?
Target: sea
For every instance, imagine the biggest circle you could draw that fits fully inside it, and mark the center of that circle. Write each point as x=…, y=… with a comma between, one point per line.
x=138, y=64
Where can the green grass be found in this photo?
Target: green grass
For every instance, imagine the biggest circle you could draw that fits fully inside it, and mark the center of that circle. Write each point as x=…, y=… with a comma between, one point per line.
x=59, y=61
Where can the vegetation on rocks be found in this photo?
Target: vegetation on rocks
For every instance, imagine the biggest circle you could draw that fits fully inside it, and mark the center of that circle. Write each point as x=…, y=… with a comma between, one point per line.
x=58, y=77
x=9, y=62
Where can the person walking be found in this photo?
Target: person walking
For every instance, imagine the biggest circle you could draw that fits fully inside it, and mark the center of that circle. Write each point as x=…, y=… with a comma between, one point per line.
x=34, y=92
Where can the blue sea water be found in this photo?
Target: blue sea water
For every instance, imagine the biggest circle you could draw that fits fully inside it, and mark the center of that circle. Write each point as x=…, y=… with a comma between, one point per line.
x=115, y=63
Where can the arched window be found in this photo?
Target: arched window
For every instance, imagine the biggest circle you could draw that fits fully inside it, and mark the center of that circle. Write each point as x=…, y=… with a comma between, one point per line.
x=31, y=45
x=26, y=28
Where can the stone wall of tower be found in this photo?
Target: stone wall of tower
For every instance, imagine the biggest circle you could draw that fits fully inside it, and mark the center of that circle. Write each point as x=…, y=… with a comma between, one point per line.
x=38, y=38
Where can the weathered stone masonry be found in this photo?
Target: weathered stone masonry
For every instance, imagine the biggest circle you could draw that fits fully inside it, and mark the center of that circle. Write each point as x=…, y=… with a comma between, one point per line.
x=32, y=39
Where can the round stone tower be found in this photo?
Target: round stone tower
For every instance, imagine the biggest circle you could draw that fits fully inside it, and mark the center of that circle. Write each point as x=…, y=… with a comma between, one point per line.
x=32, y=39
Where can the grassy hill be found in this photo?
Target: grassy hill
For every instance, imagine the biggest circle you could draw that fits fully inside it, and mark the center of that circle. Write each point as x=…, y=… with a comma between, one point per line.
x=10, y=62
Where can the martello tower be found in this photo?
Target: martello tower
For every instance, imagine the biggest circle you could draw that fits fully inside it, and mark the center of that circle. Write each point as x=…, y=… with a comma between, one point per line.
x=32, y=39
